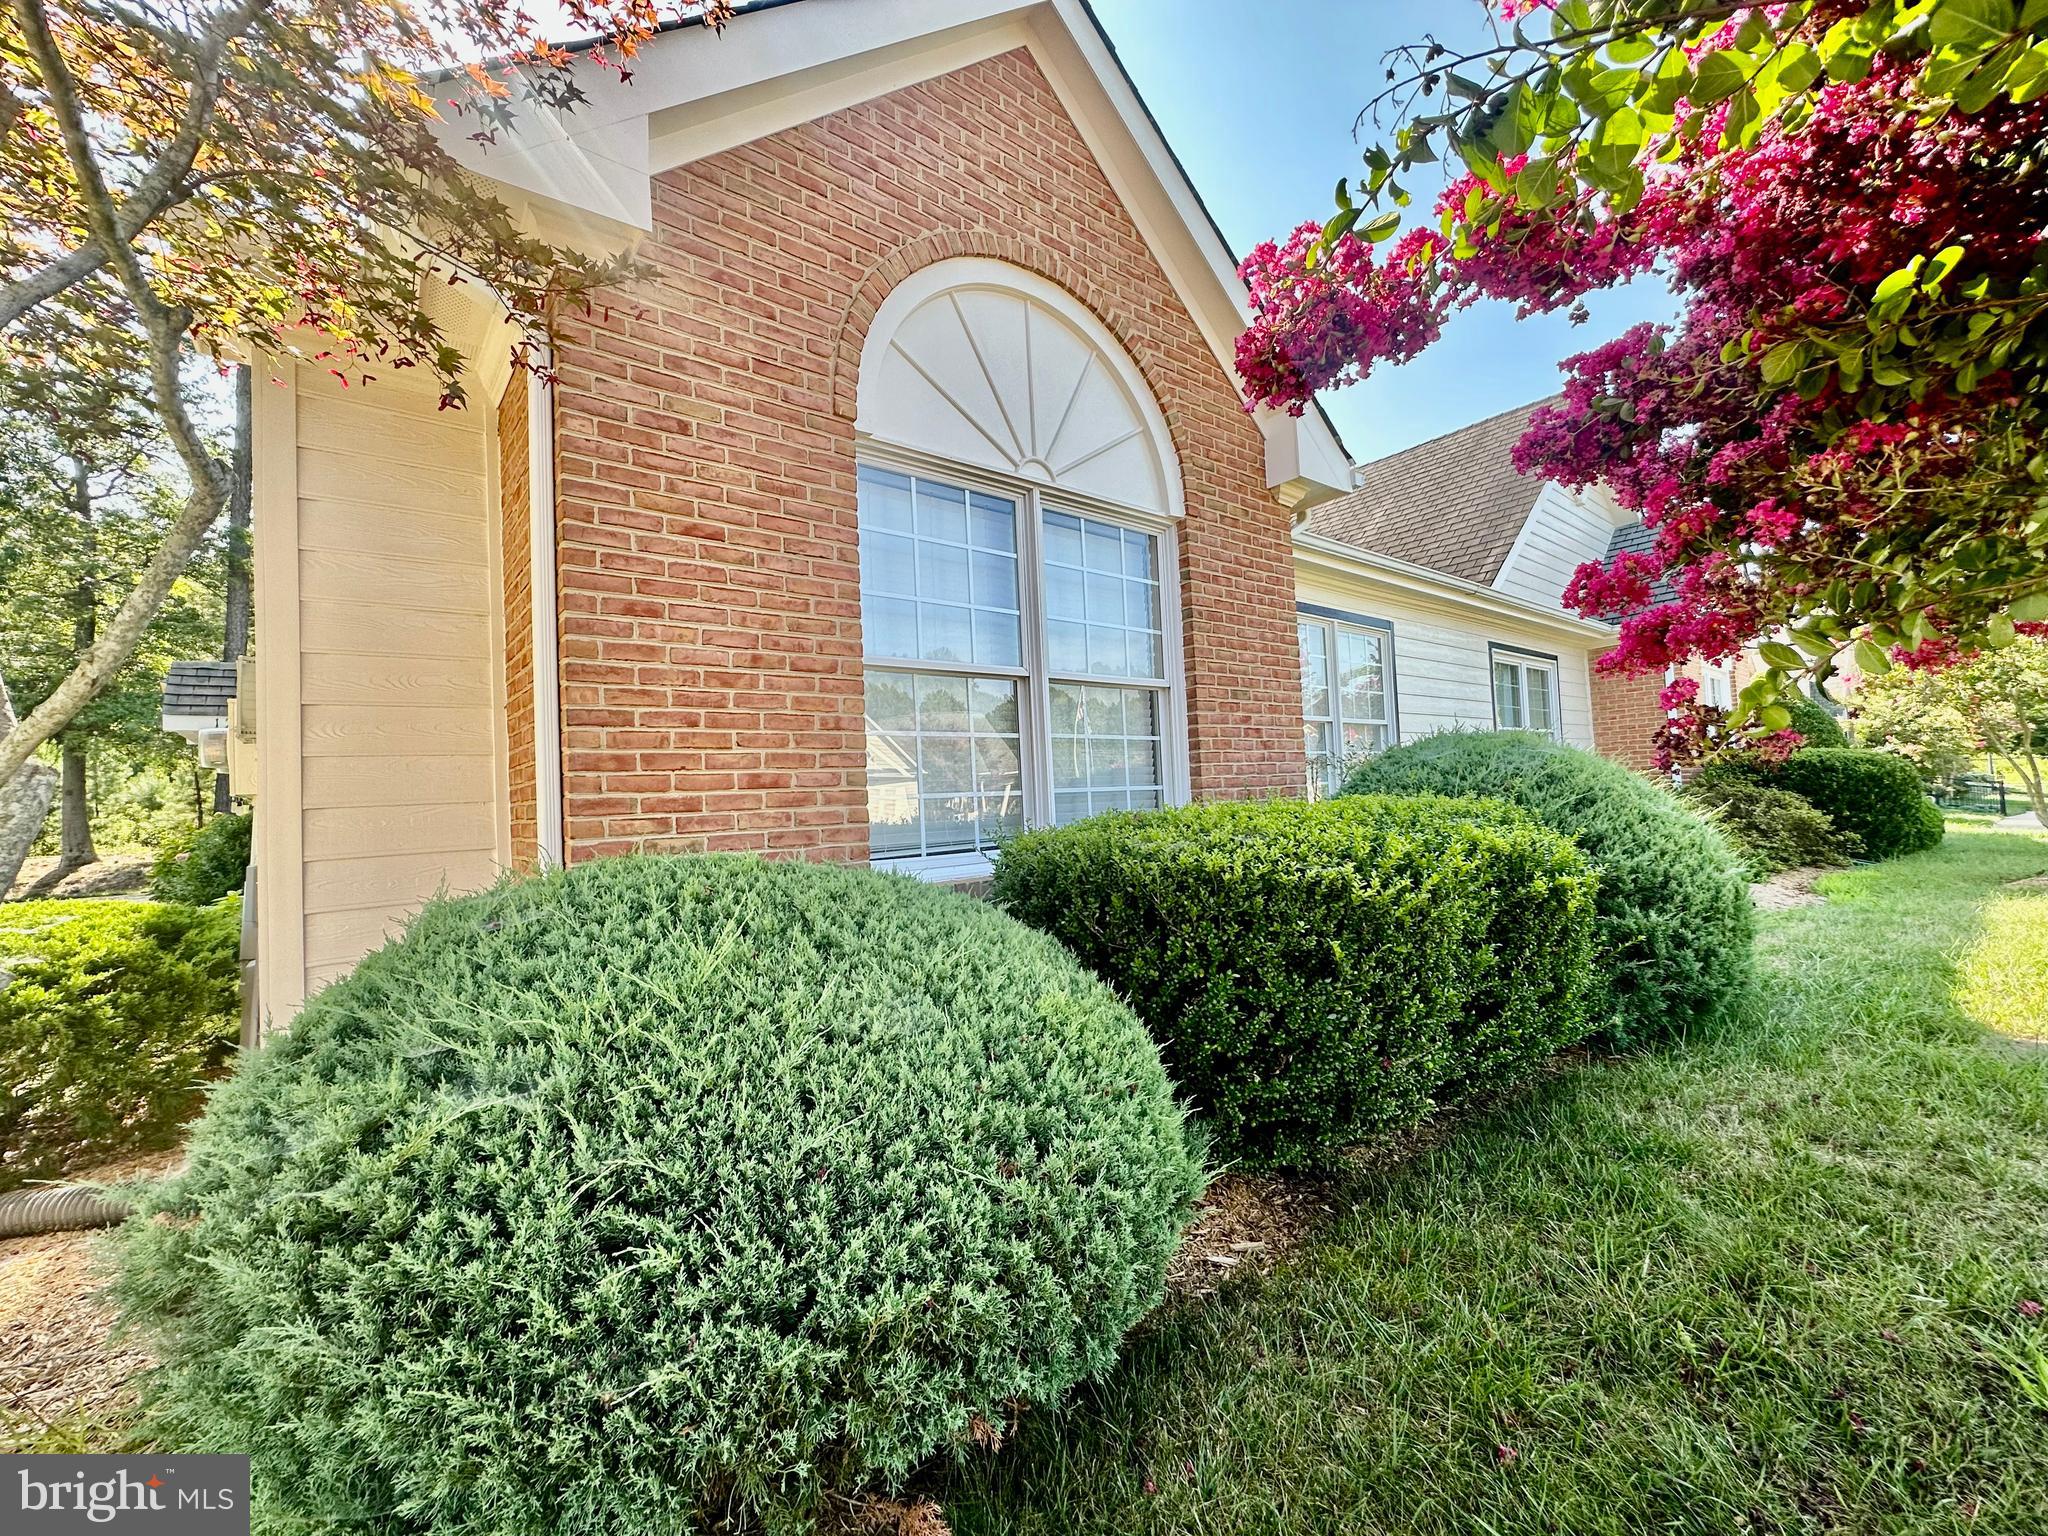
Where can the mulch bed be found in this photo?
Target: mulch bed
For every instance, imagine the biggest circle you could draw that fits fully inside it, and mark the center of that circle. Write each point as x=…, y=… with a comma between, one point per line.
x=58, y=1365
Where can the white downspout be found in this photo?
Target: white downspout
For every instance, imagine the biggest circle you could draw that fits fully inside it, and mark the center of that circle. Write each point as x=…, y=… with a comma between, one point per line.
x=547, y=640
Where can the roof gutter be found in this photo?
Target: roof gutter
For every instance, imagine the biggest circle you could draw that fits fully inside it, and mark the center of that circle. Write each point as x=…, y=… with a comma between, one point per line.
x=1351, y=560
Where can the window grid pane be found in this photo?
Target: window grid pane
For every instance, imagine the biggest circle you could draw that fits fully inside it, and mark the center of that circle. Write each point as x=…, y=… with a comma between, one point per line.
x=1507, y=695
x=945, y=763
x=1105, y=750
x=1536, y=692
x=1346, y=703
x=938, y=572
x=1102, y=606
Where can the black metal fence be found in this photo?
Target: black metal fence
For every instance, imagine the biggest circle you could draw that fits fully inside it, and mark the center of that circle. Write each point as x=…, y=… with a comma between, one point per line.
x=1980, y=792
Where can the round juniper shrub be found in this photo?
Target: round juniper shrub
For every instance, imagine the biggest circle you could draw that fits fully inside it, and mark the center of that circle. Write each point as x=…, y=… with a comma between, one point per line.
x=1875, y=796
x=1318, y=974
x=1675, y=924
x=658, y=1189
x=1774, y=828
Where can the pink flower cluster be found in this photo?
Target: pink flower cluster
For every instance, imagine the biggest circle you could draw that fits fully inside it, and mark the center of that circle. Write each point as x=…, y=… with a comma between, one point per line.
x=1317, y=327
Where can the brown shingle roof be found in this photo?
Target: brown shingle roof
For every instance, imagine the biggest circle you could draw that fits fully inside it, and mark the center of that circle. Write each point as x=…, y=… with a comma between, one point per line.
x=1453, y=504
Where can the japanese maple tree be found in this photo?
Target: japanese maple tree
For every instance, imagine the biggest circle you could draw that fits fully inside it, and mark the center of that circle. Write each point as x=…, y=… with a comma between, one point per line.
x=184, y=180
x=1840, y=442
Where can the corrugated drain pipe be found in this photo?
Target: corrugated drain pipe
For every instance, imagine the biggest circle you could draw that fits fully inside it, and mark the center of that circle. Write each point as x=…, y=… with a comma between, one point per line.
x=57, y=1208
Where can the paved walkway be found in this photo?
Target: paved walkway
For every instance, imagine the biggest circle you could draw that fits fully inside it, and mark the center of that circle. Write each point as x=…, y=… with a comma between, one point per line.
x=2026, y=821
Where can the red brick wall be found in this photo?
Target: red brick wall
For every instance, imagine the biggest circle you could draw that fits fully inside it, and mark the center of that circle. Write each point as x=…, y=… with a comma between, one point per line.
x=708, y=555
x=1626, y=716
x=514, y=532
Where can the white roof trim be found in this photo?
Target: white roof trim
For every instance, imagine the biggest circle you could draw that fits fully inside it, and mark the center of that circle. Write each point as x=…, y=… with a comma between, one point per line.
x=695, y=94
x=1333, y=554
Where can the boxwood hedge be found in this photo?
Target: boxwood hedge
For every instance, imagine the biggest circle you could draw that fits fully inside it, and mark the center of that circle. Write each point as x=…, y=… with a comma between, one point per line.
x=1876, y=796
x=654, y=1190
x=1774, y=828
x=1675, y=922
x=1317, y=973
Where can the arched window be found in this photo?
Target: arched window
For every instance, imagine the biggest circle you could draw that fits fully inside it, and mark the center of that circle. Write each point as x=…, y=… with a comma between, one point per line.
x=1019, y=602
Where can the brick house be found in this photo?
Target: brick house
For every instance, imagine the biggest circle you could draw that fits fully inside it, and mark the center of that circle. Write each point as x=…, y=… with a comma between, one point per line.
x=907, y=500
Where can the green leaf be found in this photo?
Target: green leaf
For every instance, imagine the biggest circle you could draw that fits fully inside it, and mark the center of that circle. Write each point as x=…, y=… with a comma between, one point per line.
x=2000, y=631
x=1717, y=77
x=1970, y=24
x=2031, y=609
x=1775, y=717
x=1872, y=659
x=1798, y=67
x=1779, y=654
x=1784, y=361
x=1381, y=227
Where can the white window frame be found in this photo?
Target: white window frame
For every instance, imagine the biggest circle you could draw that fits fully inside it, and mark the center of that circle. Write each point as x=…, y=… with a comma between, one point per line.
x=1332, y=621
x=1523, y=660
x=1034, y=678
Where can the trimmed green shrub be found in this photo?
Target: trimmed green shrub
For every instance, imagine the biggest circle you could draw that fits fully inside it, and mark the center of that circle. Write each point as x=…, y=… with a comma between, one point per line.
x=659, y=1187
x=1675, y=922
x=1317, y=973
x=1875, y=796
x=200, y=868
x=1774, y=828
x=112, y=1016
x=1811, y=719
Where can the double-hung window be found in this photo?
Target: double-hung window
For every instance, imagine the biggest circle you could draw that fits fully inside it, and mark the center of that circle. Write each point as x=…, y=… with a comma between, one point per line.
x=1347, y=694
x=1524, y=691
x=1018, y=663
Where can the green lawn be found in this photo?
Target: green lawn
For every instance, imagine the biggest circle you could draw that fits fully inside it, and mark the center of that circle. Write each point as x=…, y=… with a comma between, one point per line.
x=1771, y=1281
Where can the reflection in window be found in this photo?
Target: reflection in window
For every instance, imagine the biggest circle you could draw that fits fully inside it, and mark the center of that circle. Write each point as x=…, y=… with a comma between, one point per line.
x=945, y=773
x=964, y=737
x=1346, y=700
x=1524, y=694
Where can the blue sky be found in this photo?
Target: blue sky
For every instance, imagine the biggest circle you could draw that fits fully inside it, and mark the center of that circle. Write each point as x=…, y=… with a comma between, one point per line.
x=1258, y=99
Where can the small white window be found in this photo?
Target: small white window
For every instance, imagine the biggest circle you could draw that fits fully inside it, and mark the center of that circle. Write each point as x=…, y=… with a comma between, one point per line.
x=1347, y=696
x=1718, y=687
x=1524, y=692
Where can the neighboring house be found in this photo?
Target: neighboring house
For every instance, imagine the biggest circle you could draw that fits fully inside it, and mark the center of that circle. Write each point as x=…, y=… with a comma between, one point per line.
x=197, y=698
x=1431, y=599
x=909, y=500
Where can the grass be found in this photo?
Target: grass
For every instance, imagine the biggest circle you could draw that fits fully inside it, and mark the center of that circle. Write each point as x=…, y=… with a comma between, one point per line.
x=1768, y=1281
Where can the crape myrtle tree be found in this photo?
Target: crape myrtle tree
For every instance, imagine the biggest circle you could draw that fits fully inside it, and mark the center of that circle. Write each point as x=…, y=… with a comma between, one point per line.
x=1839, y=443
x=201, y=178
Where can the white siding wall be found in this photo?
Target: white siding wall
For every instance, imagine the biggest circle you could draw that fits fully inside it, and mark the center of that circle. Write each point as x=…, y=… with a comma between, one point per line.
x=1443, y=674
x=380, y=647
x=1562, y=533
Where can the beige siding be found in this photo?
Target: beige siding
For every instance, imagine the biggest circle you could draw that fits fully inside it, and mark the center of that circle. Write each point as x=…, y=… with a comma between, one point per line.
x=382, y=683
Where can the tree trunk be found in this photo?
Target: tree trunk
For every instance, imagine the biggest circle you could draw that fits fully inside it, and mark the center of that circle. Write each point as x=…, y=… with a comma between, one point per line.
x=76, y=849
x=24, y=804
x=235, y=639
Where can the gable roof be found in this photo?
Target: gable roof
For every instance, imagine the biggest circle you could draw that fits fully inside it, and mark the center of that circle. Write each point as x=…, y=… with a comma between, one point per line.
x=589, y=174
x=1454, y=504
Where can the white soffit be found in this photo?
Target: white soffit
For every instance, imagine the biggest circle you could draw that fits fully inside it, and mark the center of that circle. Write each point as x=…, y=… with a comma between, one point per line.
x=693, y=95
x=978, y=362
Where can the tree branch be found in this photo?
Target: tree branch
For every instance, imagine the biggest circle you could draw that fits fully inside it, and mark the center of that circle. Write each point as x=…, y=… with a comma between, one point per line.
x=165, y=327
x=159, y=189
